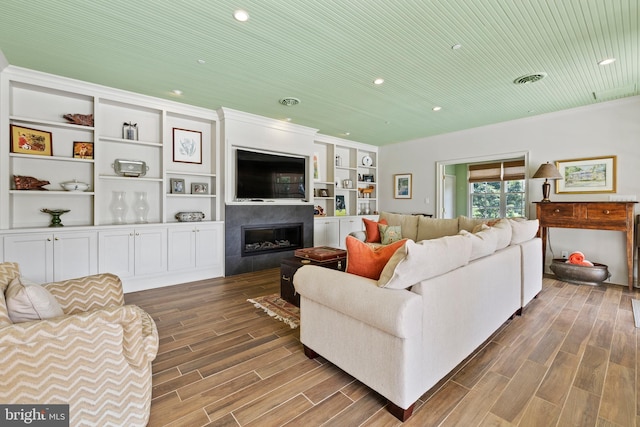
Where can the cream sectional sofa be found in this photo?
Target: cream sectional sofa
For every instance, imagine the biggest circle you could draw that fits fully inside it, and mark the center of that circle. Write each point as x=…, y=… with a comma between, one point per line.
x=438, y=299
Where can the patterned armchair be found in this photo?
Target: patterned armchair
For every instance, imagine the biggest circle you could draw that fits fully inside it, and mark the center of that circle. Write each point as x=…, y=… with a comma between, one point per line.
x=96, y=357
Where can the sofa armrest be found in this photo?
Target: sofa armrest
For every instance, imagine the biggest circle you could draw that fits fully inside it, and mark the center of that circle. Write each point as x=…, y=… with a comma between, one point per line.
x=87, y=293
x=360, y=235
x=395, y=311
x=84, y=335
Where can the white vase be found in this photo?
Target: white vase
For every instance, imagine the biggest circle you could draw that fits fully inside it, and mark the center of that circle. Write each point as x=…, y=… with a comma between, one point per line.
x=118, y=207
x=141, y=207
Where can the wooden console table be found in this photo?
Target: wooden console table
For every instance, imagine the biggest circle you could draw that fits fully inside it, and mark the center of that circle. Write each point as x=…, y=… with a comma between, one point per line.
x=616, y=216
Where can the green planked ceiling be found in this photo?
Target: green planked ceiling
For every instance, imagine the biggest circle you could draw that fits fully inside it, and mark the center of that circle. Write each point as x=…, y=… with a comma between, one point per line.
x=327, y=53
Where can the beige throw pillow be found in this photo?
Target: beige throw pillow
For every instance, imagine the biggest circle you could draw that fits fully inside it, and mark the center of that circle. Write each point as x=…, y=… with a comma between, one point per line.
x=28, y=301
x=523, y=230
x=415, y=262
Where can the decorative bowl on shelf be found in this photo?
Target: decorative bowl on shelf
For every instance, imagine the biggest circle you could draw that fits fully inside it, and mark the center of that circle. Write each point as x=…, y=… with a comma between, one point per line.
x=189, y=216
x=74, y=185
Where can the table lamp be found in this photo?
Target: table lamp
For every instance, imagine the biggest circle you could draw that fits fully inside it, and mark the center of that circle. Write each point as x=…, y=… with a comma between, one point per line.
x=547, y=171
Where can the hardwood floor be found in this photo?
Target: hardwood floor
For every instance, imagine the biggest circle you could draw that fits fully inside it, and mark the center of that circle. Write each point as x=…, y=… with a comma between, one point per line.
x=571, y=359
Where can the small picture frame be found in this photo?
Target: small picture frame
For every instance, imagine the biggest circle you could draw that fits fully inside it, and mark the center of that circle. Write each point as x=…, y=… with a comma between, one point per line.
x=177, y=185
x=31, y=141
x=199, y=188
x=341, y=207
x=367, y=178
x=187, y=146
x=402, y=186
x=130, y=131
x=323, y=192
x=82, y=150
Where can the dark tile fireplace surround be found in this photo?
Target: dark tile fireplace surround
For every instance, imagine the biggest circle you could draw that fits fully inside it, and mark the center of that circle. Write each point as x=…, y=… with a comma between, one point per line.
x=239, y=218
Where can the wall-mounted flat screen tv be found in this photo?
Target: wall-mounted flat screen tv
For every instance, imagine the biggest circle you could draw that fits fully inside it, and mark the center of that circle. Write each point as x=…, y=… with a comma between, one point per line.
x=261, y=175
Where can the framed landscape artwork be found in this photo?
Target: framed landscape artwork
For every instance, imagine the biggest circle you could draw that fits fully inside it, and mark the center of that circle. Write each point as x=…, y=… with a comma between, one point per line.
x=587, y=175
x=402, y=186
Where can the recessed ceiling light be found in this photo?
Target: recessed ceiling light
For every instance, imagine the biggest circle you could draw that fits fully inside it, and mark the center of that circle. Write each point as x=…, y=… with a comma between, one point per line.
x=241, y=15
x=378, y=81
x=288, y=119
x=176, y=92
x=347, y=133
x=456, y=46
x=201, y=61
x=436, y=108
x=607, y=61
x=289, y=101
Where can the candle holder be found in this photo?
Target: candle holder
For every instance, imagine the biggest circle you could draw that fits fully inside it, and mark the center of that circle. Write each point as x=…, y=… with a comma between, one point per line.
x=55, y=216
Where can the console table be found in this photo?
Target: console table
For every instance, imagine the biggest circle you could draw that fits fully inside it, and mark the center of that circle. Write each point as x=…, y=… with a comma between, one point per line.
x=616, y=216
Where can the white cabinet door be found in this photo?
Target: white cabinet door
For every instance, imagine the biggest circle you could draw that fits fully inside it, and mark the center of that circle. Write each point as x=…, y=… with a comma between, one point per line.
x=116, y=252
x=74, y=255
x=348, y=225
x=209, y=246
x=326, y=232
x=150, y=250
x=182, y=248
x=48, y=257
x=34, y=253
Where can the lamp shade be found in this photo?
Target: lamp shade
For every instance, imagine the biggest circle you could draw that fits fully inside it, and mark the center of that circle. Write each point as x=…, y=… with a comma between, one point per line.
x=548, y=171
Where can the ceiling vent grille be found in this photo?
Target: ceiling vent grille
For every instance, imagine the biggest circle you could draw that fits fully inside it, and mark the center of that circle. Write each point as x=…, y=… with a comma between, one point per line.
x=530, y=78
x=289, y=101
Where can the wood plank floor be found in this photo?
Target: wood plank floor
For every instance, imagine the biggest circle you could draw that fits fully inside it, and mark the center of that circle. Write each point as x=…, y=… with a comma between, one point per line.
x=570, y=360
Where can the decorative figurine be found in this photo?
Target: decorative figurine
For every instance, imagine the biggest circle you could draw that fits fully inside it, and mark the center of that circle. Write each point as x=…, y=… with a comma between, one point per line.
x=29, y=183
x=80, y=119
x=55, y=216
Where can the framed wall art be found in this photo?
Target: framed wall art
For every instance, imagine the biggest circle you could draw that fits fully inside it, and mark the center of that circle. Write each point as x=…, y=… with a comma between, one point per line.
x=187, y=146
x=587, y=175
x=82, y=150
x=402, y=186
x=31, y=141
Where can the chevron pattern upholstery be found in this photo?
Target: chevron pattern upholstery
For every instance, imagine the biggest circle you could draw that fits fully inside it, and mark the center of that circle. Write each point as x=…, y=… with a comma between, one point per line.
x=96, y=358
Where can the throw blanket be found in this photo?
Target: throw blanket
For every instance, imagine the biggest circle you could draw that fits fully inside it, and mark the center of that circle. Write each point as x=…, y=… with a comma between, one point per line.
x=577, y=258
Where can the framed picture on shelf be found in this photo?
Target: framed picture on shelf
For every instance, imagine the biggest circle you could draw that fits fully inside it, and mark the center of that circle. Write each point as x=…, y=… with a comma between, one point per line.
x=31, y=141
x=341, y=207
x=402, y=186
x=323, y=192
x=177, y=185
x=82, y=150
x=588, y=175
x=199, y=188
x=187, y=146
x=316, y=167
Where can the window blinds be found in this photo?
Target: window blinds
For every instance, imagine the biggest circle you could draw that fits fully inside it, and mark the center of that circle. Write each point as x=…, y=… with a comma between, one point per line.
x=500, y=171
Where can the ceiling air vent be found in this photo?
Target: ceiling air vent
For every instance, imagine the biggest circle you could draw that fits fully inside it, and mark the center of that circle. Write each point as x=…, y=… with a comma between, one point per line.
x=289, y=101
x=529, y=78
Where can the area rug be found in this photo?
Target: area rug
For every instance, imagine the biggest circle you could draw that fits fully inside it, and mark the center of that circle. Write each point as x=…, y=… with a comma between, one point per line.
x=276, y=307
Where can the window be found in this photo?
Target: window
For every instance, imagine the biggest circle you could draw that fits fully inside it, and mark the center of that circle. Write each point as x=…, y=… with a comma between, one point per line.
x=497, y=190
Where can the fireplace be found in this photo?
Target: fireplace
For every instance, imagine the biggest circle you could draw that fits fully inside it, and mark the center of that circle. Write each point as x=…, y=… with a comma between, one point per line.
x=259, y=239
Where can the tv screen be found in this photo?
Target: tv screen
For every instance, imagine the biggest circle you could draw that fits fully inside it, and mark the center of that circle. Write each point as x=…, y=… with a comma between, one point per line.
x=269, y=176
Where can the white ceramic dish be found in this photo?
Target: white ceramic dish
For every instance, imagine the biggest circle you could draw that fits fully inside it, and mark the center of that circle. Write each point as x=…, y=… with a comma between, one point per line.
x=74, y=185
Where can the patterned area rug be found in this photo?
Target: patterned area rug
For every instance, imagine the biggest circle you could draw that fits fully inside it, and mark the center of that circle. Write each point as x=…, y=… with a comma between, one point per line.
x=276, y=307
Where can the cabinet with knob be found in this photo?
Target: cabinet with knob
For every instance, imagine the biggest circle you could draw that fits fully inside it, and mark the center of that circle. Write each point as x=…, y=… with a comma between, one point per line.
x=133, y=251
x=54, y=256
x=195, y=245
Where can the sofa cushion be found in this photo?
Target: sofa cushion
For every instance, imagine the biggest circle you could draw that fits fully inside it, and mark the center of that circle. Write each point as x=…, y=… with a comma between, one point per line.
x=468, y=224
x=483, y=242
x=408, y=223
x=523, y=230
x=420, y=261
x=504, y=231
x=8, y=272
x=28, y=301
x=389, y=233
x=371, y=227
x=368, y=261
x=434, y=228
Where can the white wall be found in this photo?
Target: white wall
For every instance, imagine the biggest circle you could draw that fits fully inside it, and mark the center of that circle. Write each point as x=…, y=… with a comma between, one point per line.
x=609, y=128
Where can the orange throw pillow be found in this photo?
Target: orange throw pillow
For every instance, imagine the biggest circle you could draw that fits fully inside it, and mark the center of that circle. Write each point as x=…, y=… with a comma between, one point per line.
x=366, y=261
x=371, y=227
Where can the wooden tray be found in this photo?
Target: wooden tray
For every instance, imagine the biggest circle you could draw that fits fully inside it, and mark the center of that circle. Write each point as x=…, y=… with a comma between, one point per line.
x=321, y=253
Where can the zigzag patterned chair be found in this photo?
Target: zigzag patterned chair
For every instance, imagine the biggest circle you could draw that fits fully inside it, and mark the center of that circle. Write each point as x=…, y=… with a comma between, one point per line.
x=96, y=358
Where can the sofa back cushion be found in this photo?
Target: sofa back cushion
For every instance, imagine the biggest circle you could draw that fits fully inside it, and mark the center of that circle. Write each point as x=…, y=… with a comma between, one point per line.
x=366, y=260
x=468, y=224
x=415, y=262
x=523, y=230
x=434, y=228
x=483, y=242
x=408, y=223
x=8, y=272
